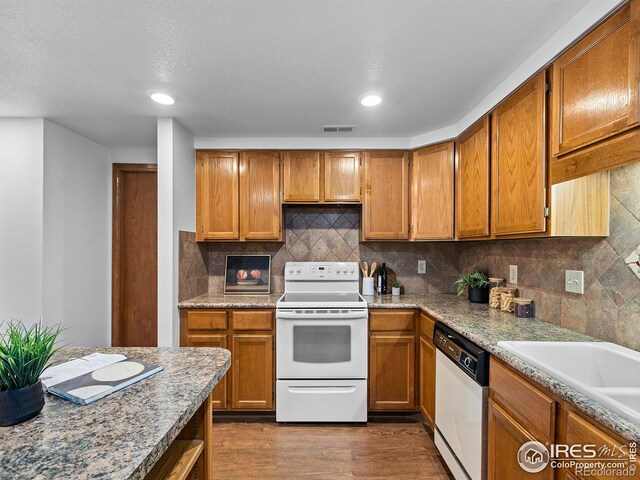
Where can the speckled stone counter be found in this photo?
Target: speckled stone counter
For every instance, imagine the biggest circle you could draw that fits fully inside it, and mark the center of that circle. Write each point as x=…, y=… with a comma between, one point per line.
x=122, y=435
x=480, y=324
x=220, y=300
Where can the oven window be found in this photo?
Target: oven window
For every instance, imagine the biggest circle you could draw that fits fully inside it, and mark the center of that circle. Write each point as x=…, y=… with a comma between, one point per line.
x=321, y=344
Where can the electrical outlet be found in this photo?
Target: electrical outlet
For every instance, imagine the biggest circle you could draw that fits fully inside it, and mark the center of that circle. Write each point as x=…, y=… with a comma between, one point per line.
x=513, y=274
x=422, y=266
x=574, y=281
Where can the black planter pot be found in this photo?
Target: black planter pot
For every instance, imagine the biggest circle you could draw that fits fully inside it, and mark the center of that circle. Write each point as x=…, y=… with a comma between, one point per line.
x=17, y=406
x=479, y=294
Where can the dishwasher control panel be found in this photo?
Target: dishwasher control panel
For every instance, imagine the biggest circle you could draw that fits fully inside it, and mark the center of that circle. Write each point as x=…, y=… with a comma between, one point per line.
x=470, y=358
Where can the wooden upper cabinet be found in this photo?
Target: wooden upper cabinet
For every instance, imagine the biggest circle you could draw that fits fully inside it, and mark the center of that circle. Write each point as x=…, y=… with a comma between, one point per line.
x=473, y=181
x=260, y=211
x=386, y=196
x=341, y=177
x=518, y=160
x=301, y=176
x=595, y=83
x=217, y=210
x=432, y=172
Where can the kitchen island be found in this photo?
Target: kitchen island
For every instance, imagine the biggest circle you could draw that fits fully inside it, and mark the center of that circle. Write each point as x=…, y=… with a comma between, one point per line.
x=123, y=435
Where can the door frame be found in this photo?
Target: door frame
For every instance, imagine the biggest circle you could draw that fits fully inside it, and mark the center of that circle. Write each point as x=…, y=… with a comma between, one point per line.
x=116, y=243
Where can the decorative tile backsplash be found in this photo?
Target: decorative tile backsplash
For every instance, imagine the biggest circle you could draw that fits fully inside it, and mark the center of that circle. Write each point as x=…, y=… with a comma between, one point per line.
x=610, y=306
x=609, y=309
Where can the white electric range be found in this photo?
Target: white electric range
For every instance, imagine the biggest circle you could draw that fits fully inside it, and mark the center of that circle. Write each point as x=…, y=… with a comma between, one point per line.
x=321, y=344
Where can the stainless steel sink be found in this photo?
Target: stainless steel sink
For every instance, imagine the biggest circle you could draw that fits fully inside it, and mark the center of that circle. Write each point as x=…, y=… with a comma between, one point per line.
x=605, y=372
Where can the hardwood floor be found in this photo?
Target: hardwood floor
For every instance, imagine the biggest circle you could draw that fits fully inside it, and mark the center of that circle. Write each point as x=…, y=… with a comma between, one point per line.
x=398, y=449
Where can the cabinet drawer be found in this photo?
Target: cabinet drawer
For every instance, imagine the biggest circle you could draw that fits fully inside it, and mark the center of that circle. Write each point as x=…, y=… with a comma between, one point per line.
x=252, y=320
x=207, y=319
x=426, y=326
x=391, y=320
x=531, y=408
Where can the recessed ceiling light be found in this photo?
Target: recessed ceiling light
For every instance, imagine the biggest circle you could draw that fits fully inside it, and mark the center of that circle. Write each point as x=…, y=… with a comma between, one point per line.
x=370, y=100
x=161, y=98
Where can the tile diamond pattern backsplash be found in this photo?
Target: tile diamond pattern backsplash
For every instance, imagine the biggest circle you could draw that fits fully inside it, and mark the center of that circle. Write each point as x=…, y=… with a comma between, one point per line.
x=332, y=234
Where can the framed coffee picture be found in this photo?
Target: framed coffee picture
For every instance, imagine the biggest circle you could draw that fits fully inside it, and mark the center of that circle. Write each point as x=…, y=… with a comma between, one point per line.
x=247, y=274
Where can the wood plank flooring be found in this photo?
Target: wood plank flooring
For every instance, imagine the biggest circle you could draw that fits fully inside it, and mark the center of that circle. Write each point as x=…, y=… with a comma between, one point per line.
x=267, y=450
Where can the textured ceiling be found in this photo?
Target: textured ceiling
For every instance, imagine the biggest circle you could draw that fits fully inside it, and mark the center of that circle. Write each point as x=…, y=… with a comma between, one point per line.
x=262, y=68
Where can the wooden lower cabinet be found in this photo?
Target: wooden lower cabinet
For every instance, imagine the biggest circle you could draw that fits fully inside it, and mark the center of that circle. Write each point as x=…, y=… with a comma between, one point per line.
x=505, y=437
x=213, y=340
x=521, y=411
x=252, y=371
x=392, y=371
x=249, y=335
x=428, y=380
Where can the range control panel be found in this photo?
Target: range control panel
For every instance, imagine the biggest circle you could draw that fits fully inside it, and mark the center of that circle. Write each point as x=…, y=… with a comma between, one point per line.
x=321, y=271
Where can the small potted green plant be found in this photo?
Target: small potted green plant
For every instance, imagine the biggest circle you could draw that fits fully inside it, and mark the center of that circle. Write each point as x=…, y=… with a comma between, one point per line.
x=396, y=286
x=24, y=354
x=477, y=285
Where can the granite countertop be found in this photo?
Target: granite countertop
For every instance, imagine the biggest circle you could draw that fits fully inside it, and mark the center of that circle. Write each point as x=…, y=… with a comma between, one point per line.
x=480, y=324
x=220, y=300
x=122, y=435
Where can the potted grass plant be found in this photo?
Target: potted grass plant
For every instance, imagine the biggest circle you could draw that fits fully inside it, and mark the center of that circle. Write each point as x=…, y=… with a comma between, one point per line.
x=477, y=285
x=24, y=354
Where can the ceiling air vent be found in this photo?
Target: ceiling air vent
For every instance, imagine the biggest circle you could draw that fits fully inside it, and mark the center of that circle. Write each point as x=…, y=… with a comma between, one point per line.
x=338, y=128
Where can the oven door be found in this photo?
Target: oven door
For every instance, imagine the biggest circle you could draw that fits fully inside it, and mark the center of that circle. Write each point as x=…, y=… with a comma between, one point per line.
x=314, y=343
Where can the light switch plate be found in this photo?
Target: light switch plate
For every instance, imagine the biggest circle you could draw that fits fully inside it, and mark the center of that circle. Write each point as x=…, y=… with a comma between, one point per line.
x=513, y=274
x=574, y=281
x=422, y=266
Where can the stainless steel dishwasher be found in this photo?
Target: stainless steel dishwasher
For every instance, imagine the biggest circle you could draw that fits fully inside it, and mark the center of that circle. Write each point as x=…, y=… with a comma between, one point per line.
x=462, y=379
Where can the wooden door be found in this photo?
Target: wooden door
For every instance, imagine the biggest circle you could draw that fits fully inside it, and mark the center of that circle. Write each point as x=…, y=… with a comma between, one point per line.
x=505, y=437
x=432, y=172
x=518, y=161
x=260, y=210
x=392, y=371
x=252, y=371
x=134, y=301
x=428, y=381
x=342, y=177
x=595, y=83
x=217, y=196
x=386, y=196
x=213, y=340
x=473, y=186
x=301, y=176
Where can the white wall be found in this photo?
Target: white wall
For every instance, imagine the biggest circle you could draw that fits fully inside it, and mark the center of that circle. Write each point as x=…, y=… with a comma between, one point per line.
x=77, y=237
x=176, y=211
x=21, y=214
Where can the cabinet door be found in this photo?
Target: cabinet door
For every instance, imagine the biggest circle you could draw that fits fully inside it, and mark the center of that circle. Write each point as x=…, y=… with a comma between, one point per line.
x=217, y=196
x=260, y=210
x=432, y=193
x=392, y=372
x=428, y=380
x=215, y=340
x=252, y=368
x=386, y=196
x=505, y=437
x=301, y=176
x=472, y=181
x=518, y=161
x=341, y=177
x=595, y=84
x=575, y=430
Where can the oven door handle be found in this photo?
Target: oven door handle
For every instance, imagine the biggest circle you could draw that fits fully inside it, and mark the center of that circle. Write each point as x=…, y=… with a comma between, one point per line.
x=323, y=390
x=320, y=314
